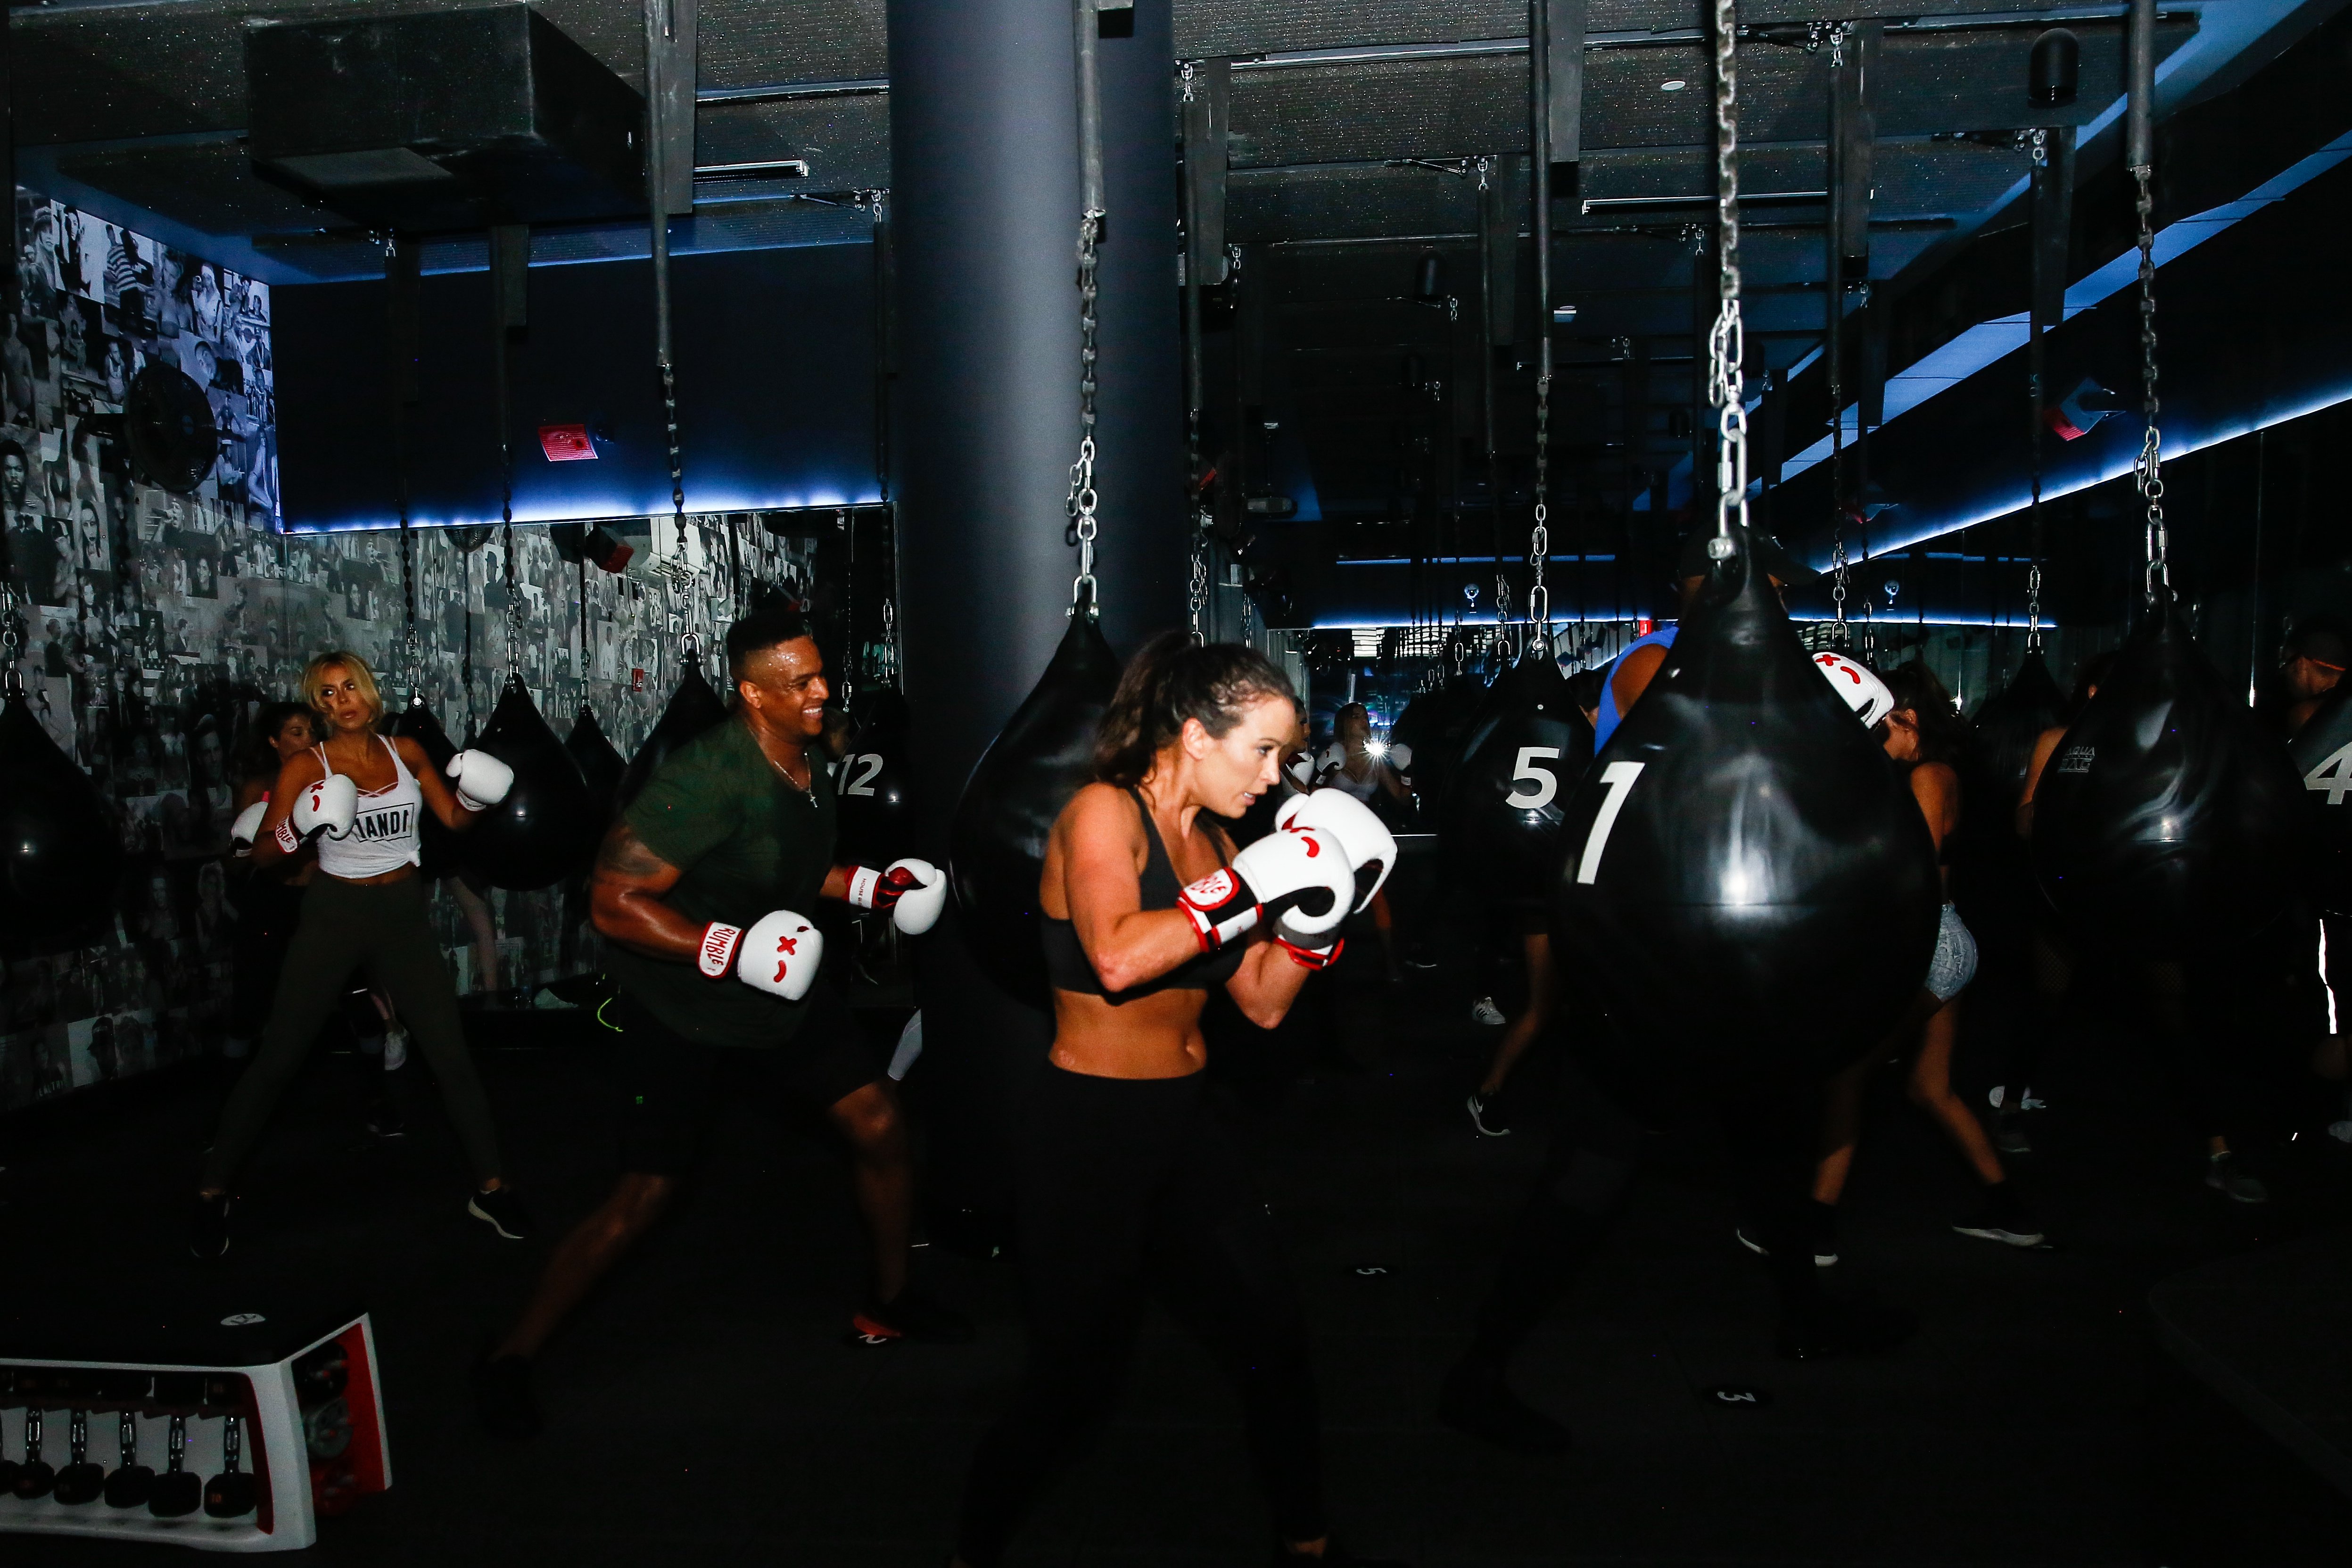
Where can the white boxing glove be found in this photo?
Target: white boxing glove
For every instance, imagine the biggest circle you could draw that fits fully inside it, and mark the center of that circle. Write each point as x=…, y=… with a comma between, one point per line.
x=779, y=954
x=248, y=826
x=481, y=779
x=1371, y=847
x=917, y=909
x=1855, y=682
x=912, y=890
x=1400, y=757
x=327, y=806
x=1301, y=875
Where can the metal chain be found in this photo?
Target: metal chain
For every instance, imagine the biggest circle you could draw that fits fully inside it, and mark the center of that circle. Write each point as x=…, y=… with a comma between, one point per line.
x=1198, y=593
x=2147, y=469
x=409, y=655
x=1838, y=572
x=1082, y=498
x=12, y=638
x=1727, y=343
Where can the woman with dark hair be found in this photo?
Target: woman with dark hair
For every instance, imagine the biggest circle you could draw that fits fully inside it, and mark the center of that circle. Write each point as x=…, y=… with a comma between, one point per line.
x=1123, y=1172
x=1924, y=733
x=268, y=898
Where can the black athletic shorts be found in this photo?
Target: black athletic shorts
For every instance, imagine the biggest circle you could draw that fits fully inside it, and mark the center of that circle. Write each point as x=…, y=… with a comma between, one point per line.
x=670, y=1087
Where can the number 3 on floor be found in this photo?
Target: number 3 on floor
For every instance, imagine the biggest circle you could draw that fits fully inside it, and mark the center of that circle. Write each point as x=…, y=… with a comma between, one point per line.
x=1617, y=778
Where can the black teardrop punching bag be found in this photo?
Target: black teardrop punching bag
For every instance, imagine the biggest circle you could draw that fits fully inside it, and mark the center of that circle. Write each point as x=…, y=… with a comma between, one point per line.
x=2002, y=737
x=1436, y=724
x=59, y=853
x=1747, y=882
x=996, y=841
x=875, y=785
x=439, y=853
x=693, y=708
x=600, y=765
x=547, y=826
x=2167, y=822
x=1500, y=826
x=2322, y=755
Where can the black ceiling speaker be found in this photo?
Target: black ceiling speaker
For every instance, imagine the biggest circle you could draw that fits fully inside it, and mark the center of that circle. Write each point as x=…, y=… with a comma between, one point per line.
x=167, y=422
x=2056, y=69
x=443, y=119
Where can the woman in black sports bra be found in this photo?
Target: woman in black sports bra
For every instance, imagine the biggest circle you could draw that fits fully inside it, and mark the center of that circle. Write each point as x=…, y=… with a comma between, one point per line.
x=1125, y=1179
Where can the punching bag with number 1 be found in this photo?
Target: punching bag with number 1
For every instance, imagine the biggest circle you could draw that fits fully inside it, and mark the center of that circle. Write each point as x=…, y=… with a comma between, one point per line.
x=1747, y=882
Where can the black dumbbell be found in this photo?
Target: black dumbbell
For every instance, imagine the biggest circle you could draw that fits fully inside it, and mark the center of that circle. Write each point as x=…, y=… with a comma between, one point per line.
x=132, y=1481
x=34, y=1477
x=231, y=1494
x=80, y=1481
x=177, y=1492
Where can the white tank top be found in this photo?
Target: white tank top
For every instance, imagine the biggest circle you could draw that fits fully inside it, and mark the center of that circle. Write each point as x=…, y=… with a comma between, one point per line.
x=383, y=835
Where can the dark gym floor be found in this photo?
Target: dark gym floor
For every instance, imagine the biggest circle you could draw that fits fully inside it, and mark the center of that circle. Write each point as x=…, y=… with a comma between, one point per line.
x=706, y=1403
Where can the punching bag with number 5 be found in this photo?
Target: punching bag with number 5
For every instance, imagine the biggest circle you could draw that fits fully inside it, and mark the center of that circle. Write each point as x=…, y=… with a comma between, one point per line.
x=1748, y=884
x=1504, y=799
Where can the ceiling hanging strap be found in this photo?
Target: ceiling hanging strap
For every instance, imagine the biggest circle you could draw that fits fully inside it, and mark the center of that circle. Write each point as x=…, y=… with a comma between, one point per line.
x=2140, y=157
x=670, y=192
x=1206, y=91
x=1087, y=19
x=403, y=282
x=2053, y=197
x=509, y=287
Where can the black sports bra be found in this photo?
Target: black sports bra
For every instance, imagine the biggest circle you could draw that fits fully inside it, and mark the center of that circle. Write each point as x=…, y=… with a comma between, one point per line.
x=1069, y=969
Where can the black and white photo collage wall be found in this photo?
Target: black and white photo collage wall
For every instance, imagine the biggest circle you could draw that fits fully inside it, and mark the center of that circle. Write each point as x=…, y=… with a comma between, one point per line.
x=154, y=625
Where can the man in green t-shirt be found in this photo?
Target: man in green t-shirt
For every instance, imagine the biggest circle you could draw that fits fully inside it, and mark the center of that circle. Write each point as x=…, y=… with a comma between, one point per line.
x=698, y=889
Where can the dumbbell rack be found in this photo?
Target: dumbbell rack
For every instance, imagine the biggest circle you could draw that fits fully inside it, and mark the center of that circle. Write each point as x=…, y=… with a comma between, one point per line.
x=307, y=1403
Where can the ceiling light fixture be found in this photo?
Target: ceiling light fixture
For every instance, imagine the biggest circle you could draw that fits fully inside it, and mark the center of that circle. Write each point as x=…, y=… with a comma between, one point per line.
x=1677, y=85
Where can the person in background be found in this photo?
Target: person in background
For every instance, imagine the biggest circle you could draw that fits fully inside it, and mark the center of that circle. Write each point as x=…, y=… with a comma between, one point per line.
x=1359, y=765
x=2311, y=665
x=1487, y=1115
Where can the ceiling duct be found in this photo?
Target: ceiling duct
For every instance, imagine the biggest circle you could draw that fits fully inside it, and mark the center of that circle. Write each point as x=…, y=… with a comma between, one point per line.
x=445, y=120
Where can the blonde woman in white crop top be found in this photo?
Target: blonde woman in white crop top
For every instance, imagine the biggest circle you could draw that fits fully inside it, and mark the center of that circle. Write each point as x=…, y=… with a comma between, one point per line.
x=357, y=797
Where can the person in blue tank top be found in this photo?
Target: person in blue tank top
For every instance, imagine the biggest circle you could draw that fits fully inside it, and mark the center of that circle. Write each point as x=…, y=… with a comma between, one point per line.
x=1638, y=665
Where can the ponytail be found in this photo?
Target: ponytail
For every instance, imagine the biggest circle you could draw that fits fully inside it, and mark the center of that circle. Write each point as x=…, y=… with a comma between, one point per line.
x=1168, y=682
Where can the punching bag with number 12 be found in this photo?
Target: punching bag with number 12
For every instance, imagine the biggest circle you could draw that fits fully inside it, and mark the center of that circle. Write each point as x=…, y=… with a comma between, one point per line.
x=1748, y=884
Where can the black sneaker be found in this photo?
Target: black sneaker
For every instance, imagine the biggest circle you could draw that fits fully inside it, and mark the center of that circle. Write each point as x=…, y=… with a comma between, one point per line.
x=1477, y=1401
x=208, y=1227
x=912, y=1316
x=504, y=1405
x=1998, y=1216
x=2008, y=1134
x=384, y=1121
x=1486, y=1115
x=502, y=1212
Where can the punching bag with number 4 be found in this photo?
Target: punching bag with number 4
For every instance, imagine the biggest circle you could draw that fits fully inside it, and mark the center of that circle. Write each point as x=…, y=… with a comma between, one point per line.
x=1746, y=885
x=1505, y=798
x=2322, y=750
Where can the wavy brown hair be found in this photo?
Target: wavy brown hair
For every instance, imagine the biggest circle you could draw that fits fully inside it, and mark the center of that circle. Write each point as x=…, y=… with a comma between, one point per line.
x=1168, y=682
x=1943, y=734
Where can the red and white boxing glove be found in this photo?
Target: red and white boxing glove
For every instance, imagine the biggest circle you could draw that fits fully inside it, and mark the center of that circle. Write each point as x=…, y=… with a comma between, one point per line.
x=912, y=890
x=481, y=779
x=1371, y=847
x=1859, y=685
x=327, y=806
x=248, y=828
x=1299, y=874
x=1308, y=956
x=779, y=954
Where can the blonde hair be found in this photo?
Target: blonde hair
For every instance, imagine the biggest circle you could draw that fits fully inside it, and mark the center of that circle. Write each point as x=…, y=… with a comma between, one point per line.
x=314, y=680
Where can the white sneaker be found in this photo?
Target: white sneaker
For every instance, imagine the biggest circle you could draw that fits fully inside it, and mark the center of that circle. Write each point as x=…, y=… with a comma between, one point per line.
x=1484, y=1010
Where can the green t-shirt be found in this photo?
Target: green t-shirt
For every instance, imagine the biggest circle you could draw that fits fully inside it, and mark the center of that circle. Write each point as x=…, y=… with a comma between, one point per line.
x=747, y=843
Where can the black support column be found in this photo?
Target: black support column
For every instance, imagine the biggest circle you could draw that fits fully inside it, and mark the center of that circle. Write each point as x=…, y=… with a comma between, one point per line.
x=985, y=208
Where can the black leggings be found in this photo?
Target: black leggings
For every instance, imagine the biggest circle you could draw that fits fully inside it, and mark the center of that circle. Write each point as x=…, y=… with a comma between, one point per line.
x=380, y=928
x=1126, y=1184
